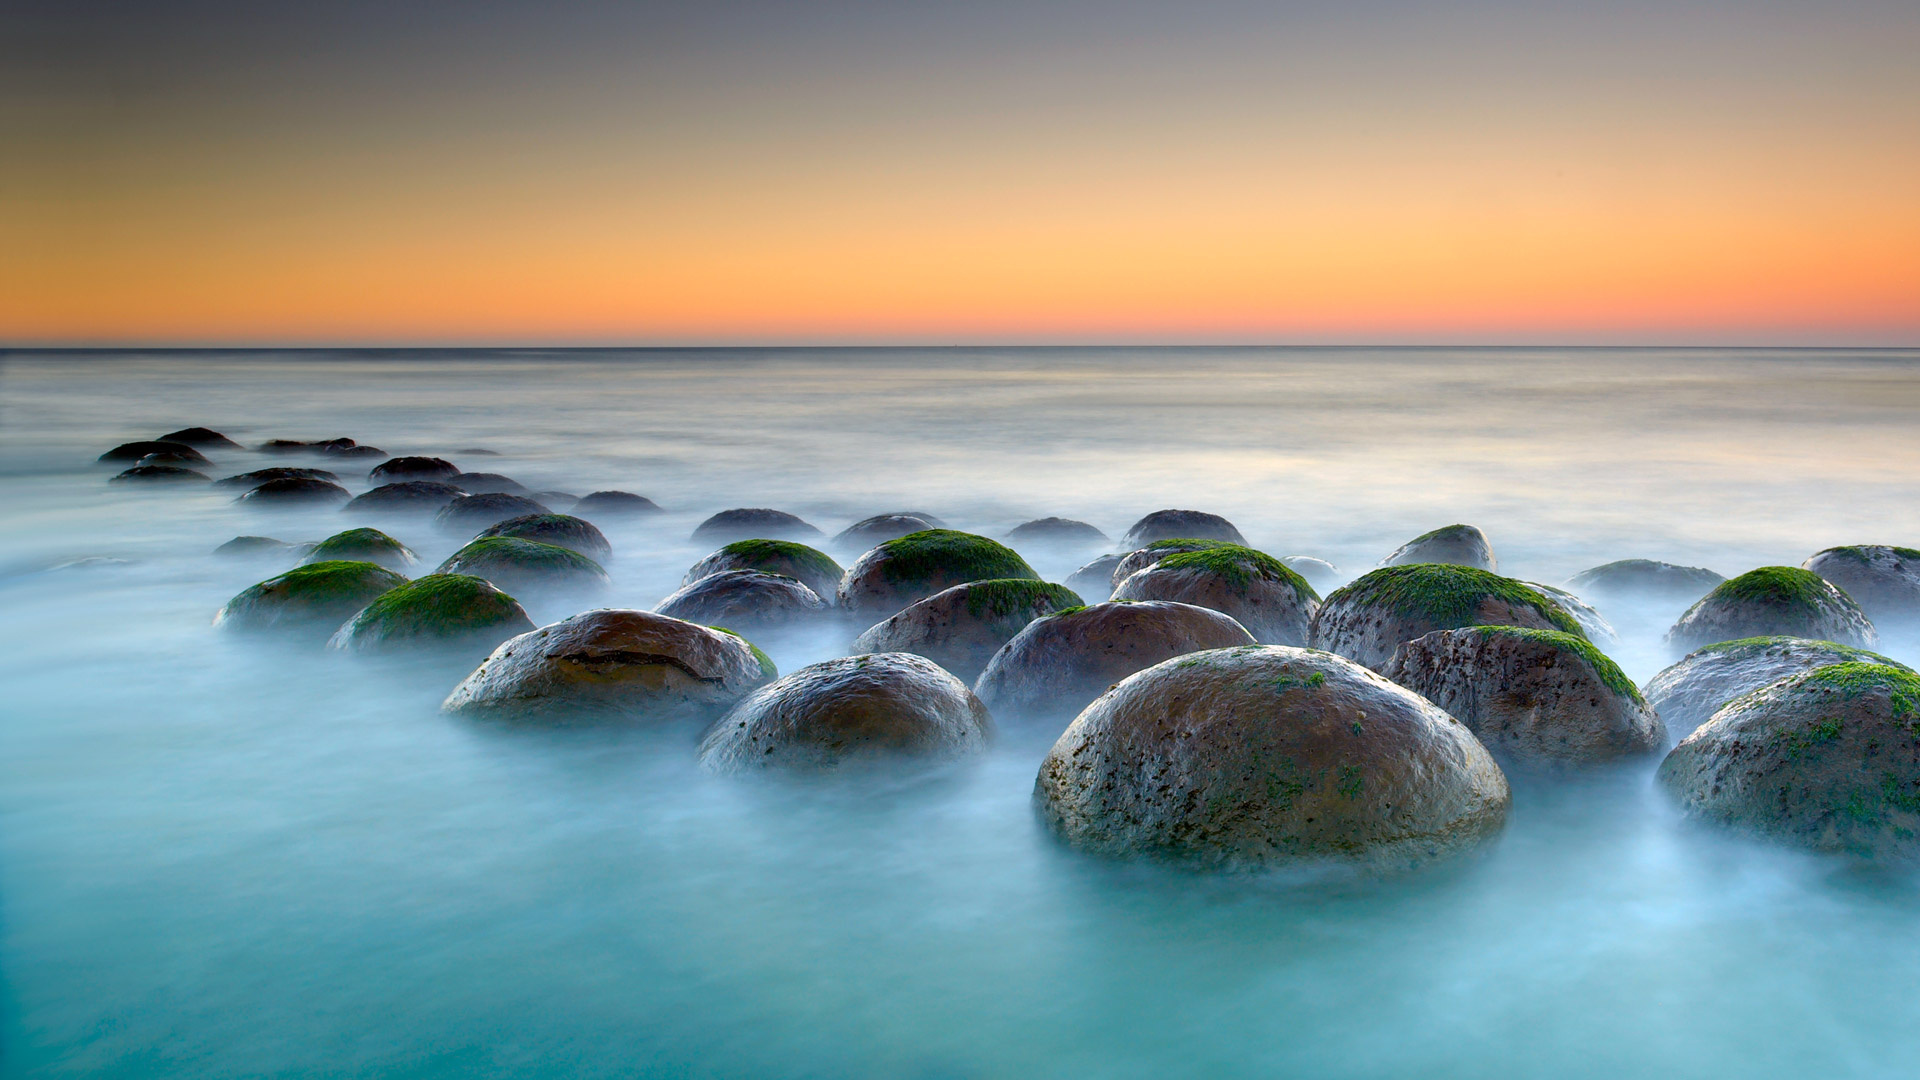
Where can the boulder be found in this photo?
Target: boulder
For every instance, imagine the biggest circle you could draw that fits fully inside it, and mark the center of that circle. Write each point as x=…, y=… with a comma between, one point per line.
x=1592, y=623
x=1320, y=573
x=469, y=514
x=350, y=453
x=405, y=497
x=527, y=567
x=917, y=565
x=1056, y=532
x=1828, y=759
x=1884, y=581
x=1056, y=665
x=1454, y=545
x=754, y=523
x=1275, y=604
x=1094, y=581
x=614, y=664
x=134, y=451
x=295, y=492
x=1692, y=690
x=451, y=613
x=961, y=628
x=1773, y=600
x=866, y=533
x=257, y=477
x=1644, y=581
x=412, y=468
x=558, y=501
x=856, y=709
x=1533, y=697
x=811, y=568
x=364, y=545
x=749, y=600
x=167, y=461
x=1270, y=756
x=614, y=504
x=572, y=533
x=1368, y=620
x=1139, y=559
x=486, y=483
x=199, y=436
x=160, y=474
x=256, y=546
x=1174, y=524
x=308, y=600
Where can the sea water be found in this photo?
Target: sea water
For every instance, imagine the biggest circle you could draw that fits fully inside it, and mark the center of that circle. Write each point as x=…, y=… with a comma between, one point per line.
x=222, y=857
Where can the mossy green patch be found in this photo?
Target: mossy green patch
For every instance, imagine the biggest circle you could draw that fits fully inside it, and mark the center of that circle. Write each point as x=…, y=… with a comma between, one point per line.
x=437, y=605
x=1448, y=595
x=1240, y=567
x=1446, y=531
x=1864, y=552
x=500, y=552
x=318, y=592
x=358, y=545
x=767, y=667
x=1187, y=543
x=782, y=556
x=1853, y=679
x=920, y=558
x=1609, y=672
x=1775, y=586
x=1352, y=781
x=999, y=598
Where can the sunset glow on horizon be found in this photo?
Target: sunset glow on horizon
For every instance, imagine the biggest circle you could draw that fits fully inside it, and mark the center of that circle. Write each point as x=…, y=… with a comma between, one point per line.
x=1098, y=173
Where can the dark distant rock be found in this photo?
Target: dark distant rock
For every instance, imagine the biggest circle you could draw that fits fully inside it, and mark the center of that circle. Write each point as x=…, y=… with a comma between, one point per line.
x=134, y=451
x=354, y=453
x=866, y=533
x=474, y=452
x=558, y=500
x=572, y=533
x=750, y=601
x=1180, y=524
x=614, y=504
x=1773, y=600
x=173, y=460
x=471, y=513
x=814, y=569
x=1884, y=581
x=961, y=628
x=1453, y=545
x=486, y=483
x=750, y=524
x=307, y=600
x=294, y=492
x=1644, y=581
x=160, y=474
x=527, y=568
x=1056, y=532
x=412, y=468
x=284, y=446
x=405, y=497
x=199, y=436
x=253, y=546
x=260, y=476
x=1094, y=581
x=917, y=565
x=449, y=613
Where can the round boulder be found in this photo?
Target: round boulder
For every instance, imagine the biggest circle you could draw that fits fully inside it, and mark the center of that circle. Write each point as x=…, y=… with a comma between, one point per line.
x=1175, y=524
x=364, y=545
x=1773, y=600
x=1368, y=620
x=753, y=523
x=405, y=497
x=749, y=600
x=469, y=514
x=614, y=504
x=1275, y=604
x=1056, y=532
x=961, y=628
x=442, y=612
x=1533, y=697
x=1692, y=690
x=1645, y=581
x=295, y=492
x=486, y=483
x=1061, y=661
x=1592, y=623
x=1268, y=756
x=1828, y=759
x=1319, y=573
x=257, y=546
x=565, y=530
x=1139, y=559
x=412, y=468
x=308, y=600
x=614, y=664
x=1884, y=581
x=527, y=567
x=811, y=568
x=1454, y=545
x=172, y=460
x=160, y=474
x=878, y=529
x=851, y=710
x=260, y=476
x=917, y=565
x=134, y=451
x=199, y=436
x=1094, y=581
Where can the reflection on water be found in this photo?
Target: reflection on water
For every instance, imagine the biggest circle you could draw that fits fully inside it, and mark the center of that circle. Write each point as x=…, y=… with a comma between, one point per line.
x=225, y=858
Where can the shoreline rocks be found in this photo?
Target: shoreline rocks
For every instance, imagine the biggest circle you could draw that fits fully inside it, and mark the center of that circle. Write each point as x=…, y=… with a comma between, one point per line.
x=751, y=601
x=962, y=627
x=311, y=600
x=915, y=566
x=1450, y=545
x=1369, y=619
x=753, y=523
x=1773, y=600
x=1883, y=580
x=452, y=613
x=1275, y=604
x=1691, y=690
x=563, y=530
x=1174, y=524
x=813, y=568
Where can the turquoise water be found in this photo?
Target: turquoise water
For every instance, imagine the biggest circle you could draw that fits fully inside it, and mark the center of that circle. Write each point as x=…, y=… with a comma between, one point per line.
x=219, y=858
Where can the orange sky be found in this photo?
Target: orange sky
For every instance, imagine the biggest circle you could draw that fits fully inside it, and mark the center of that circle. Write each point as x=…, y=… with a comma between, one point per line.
x=1061, y=193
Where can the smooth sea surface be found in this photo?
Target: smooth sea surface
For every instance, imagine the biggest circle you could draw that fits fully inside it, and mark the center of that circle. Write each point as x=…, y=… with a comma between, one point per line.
x=223, y=857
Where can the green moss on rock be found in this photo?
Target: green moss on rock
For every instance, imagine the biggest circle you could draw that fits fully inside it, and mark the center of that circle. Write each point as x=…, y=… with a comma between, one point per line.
x=998, y=598
x=767, y=667
x=1448, y=595
x=1749, y=645
x=322, y=593
x=1864, y=553
x=930, y=554
x=437, y=606
x=1609, y=672
x=1781, y=586
x=364, y=545
x=776, y=556
x=1240, y=566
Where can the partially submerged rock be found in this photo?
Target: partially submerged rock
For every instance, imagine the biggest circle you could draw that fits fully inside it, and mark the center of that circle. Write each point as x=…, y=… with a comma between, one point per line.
x=1139, y=559
x=295, y=492
x=614, y=664
x=1645, y=581
x=1061, y=661
x=1275, y=604
x=199, y=436
x=469, y=514
x=1828, y=759
x=1592, y=623
x=614, y=504
x=753, y=523
x=405, y=497
x=160, y=474
x=565, y=530
x=1094, y=581
x=364, y=545
x=1171, y=524
x=1532, y=697
x=1269, y=756
x=412, y=468
x=1773, y=600
x=749, y=600
x=308, y=600
x=856, y=709
x=814, y=569
x=962, y=627
x=1453, y=545
x=441, y=612
x=527, y=567
x=878, y=529
x=1056, y=532
x=1883, y=580
x=254, y=546
x=260, y=476
x=134, y=451
x=1369, y=619
x=1692, y=690
x=167, y=460
x=915, y=566
x=486, y=483
x=1320, y=573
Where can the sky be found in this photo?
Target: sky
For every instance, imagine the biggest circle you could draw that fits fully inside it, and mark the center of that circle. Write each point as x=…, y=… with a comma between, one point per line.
x=861, y=173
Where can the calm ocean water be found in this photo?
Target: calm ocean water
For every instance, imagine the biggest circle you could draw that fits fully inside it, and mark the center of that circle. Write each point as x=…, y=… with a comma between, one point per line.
x=219, y=858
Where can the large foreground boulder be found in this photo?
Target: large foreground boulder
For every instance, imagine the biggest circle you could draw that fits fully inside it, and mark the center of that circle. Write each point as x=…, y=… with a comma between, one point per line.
x=917, y=565
x=308, y=601
x=1275, y=604
x=450, y=613
x=614, y=504
x=564, y=530
x=961, y=628
x=527, y=567
x=753, y=523
x=1265, y=756
x=469, y=514
x=854, y=709
x=747, y=600
x=1453, y=545
x=1172, y=524
x=1773, y=600
x=1645, y=581
x=1061, y=661
x=1884, y=581
x=1533, y=697
x=1695, y=688
x=364, y=545
x=812, y=568
x=1828, y=759
x=1368, y=620
x=614, y=664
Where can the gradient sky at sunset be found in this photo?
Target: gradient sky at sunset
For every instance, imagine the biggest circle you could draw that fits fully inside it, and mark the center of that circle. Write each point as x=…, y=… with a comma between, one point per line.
x=351, y=172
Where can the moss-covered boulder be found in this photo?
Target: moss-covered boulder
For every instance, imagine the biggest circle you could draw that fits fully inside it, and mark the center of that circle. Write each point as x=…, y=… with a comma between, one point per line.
x=451, y=613
x=1270, y=756
x=1773, y=600
x=1174, y=524
x=160, y=474
x=294, y=492
x=614, y=664
x=1533, y=697
x=564, y=530
x=469, y=514
x=404, y=498
x=134, y=451
x=412, y=468
x=1695, y=688
x=611, y=505
x=1056, y=533
x=1593, y=624
x=251, y=547
x=754, y=523
x=364, y=545
x=1275, y=604
x=752, y=601
x=1645, y=581
x=527, y=567
x=961, y=628
x=1369, y=619
x=1094, y=581
x=1060, y=662
x=812, y=568
x=1139, y=559
x=878, y=529
x=310, y=601
x=248, y=480
x=199, y=436
x=1828, y=759
x=917, y=565
x=1453, y=545
x=1320, y=573
x=853, y=710
x=1883, y=580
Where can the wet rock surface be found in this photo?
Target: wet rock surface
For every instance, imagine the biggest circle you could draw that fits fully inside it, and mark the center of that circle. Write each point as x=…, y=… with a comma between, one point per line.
x=864, y=534
x=412, y=468
x=1275, y=604
x=486, y=483
x=1773, y=600
x=564, y=530
x=1453, y=545
x=750, y=601
x=1695, y=688
x=448, y=613
x=260, y=476
x=1139, y=559
x=1172, y=524
x=1056, y=532
x=134, y=451
x=812, y=568
x=1368, y=620
x=160, y=474
x=469, y=514
x=1645, y=581
x=754, y=523
x=614, y=504
x=961, y=628
x=309, y=601
x=1883, y=580
x=295, y=492
x=914, y=567
x=405, y=497
x=199, y=436
x=1094, y=581
x=527, y=567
